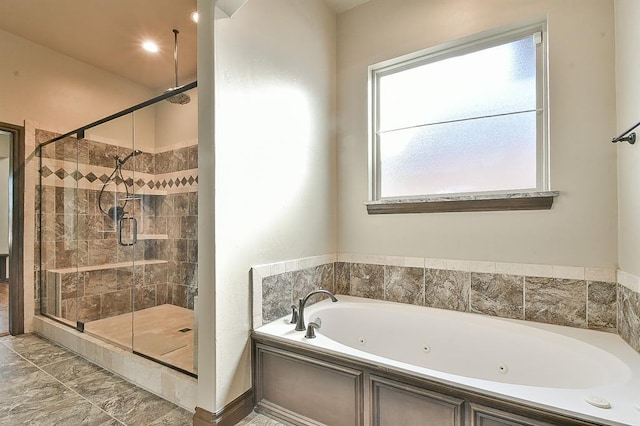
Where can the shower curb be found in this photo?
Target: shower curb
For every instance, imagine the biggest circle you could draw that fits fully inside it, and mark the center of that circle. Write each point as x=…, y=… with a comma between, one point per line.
x=162, y=381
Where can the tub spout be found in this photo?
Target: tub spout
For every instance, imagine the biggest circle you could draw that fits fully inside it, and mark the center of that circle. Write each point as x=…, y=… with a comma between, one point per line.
x=302, y=302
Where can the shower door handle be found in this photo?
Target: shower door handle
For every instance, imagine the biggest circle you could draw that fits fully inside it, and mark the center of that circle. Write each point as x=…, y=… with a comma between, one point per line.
x=134, y=239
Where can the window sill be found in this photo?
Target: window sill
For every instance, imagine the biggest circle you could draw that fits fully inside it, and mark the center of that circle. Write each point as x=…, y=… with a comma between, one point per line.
x=465, y=203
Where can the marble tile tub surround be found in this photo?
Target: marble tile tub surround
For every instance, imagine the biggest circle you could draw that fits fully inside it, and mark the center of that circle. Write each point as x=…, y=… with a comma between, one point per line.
x=595, y=298
x=277, y=285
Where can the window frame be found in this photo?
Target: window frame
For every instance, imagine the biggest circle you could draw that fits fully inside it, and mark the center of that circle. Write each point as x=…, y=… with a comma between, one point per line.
x=447, y=50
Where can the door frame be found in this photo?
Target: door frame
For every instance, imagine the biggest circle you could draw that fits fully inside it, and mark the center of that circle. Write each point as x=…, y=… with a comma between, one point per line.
x=16, y=234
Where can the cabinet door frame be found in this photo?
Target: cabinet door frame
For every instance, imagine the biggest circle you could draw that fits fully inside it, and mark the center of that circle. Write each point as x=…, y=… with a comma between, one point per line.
x=475, y=413
x=378, y=383
x=296, y=363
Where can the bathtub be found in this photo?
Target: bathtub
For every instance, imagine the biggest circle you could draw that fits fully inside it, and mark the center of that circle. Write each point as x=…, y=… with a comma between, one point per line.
x=557, y=369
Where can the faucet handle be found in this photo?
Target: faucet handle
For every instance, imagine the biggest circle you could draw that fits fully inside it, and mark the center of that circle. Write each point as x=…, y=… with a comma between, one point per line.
x=311, y=334
x=294, y=314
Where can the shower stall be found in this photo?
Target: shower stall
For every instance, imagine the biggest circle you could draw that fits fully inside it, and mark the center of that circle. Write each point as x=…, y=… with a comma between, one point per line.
x=116, y=215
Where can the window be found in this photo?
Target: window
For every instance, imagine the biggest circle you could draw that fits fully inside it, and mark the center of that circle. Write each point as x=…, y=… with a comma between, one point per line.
x=465, y=118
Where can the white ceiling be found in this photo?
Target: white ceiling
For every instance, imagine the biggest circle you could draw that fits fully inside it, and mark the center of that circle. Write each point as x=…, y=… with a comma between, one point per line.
x=108, y=33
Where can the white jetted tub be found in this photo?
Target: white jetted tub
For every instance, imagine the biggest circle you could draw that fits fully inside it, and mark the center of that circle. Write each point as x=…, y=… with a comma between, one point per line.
x=560, y=369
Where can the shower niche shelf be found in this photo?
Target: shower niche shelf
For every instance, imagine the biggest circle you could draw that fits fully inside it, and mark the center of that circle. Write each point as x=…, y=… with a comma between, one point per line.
x=153, y=237
x=105, y=266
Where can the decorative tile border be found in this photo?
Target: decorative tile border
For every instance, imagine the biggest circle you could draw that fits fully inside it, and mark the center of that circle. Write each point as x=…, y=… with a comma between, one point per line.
x=89, y=163
x=628, y=280
x=596, y=298
x=66, y=174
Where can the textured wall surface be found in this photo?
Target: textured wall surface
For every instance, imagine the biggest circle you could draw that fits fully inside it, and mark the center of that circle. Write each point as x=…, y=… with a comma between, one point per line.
x=580, y=229
x=96, y=276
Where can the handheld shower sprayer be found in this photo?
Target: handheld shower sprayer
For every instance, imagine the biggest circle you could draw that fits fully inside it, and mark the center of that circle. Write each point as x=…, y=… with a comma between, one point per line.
x=117, y=212
x=135, y=153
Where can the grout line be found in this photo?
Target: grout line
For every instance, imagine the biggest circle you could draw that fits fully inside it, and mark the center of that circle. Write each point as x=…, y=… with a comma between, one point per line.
x=59, y=381
x=586, y=283
x=524, y=297
x=618, y=309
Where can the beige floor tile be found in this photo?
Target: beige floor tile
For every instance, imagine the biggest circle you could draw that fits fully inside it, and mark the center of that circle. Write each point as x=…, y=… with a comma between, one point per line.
x=158, y=332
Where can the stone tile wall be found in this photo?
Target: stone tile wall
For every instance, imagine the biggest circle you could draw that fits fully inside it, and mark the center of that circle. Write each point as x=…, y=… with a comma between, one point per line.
x=629, y=309
x=75, y=233
x=547, y=300
x=283, y=290
x=576, y=297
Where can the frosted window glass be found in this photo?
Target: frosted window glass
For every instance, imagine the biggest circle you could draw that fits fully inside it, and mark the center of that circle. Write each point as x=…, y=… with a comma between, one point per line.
x=492, y=81
x=487, y=154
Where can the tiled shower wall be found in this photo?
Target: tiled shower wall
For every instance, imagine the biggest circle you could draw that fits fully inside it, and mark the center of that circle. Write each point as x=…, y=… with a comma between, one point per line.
x=576, y=297
x=76, y=234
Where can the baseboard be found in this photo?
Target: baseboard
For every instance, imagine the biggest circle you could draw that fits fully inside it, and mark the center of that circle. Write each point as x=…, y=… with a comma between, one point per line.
x=229, y=415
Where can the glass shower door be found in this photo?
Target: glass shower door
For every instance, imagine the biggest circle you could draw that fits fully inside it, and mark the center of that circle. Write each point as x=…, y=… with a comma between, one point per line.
x=59, y=204
x=162, y=315
x=118, y=232
x=107, y=240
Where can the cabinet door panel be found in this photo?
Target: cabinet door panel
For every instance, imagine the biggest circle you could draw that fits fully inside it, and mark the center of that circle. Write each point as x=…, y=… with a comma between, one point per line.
x=395, y=403
x=308, y=391
x=486, y=416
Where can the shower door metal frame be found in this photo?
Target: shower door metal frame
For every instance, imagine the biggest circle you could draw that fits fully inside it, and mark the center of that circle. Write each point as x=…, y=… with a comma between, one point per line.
x=79, y=133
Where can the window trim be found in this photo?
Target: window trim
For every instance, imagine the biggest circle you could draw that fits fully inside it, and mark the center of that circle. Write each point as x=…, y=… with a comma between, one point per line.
x=538, y=200
x=446, y=50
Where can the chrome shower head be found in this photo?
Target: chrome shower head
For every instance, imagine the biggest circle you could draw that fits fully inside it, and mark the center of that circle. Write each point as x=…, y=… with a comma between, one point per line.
x=179, y=99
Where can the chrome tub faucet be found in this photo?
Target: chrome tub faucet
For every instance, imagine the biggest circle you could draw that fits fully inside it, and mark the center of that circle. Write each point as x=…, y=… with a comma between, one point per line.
x=302, y=302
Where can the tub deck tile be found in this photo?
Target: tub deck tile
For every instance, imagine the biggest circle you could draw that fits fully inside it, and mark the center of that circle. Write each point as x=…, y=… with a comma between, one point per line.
x=404, y=284
x=556, y=301
x=497, y=294
x=446, y=289
x=367, y=280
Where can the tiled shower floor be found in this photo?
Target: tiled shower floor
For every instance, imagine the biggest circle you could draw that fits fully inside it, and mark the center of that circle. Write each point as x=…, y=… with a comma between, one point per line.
x=163, y=332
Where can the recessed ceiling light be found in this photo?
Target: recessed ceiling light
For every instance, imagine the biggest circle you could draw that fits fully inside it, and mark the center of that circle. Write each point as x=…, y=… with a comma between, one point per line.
x=150, y=46
x=195, y=16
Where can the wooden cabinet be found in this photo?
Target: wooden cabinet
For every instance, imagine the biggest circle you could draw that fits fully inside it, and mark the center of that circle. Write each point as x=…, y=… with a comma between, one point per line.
x=394, y=403
x=304, y=390
x=304, y=387
x=480, y=415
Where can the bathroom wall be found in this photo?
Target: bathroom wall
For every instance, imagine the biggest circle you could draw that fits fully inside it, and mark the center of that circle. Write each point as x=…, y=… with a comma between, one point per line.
x=56, y=91
x=580, y=230
x=76, y=234
x=628, y=113
x=44, y=89
x=275, y=161
x=176, y=125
